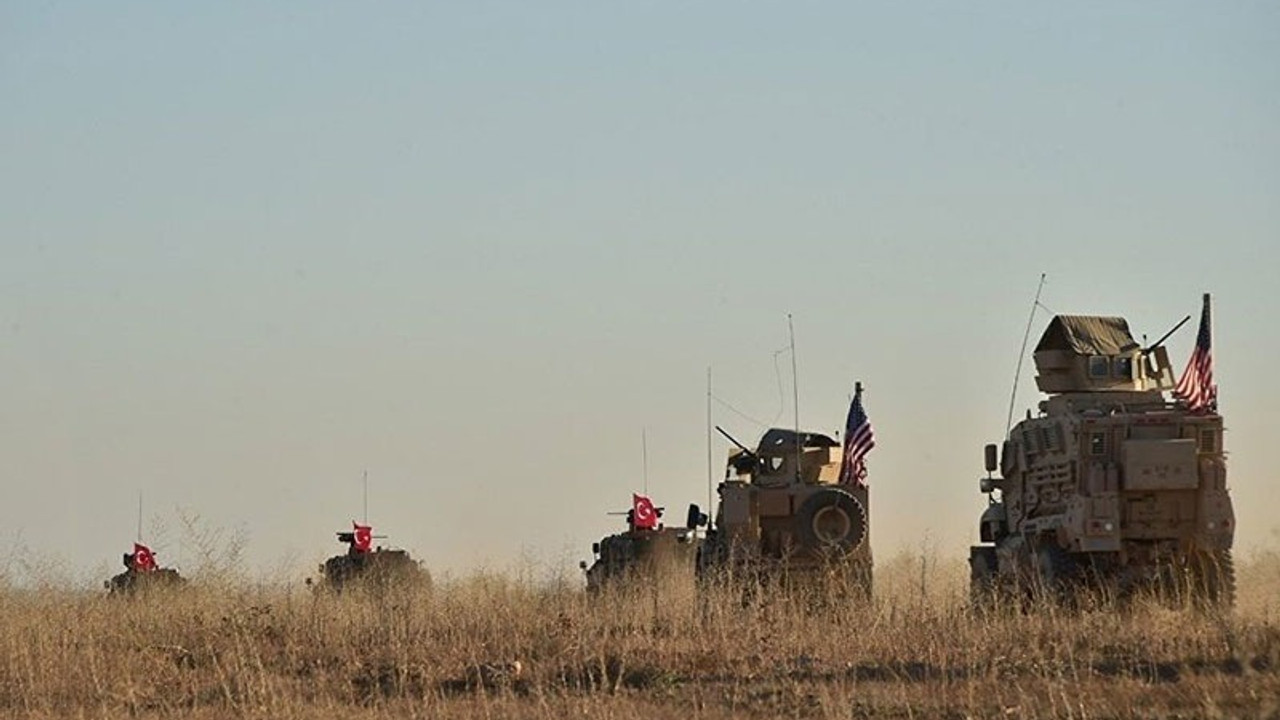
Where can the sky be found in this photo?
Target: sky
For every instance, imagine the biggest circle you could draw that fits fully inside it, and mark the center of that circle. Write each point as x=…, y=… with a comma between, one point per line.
x=250, y=252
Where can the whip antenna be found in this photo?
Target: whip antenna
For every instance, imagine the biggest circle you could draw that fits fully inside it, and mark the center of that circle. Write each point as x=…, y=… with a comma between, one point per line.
x=1013, y=396
x=644, y=457
x=710, y=471
x=795, y=391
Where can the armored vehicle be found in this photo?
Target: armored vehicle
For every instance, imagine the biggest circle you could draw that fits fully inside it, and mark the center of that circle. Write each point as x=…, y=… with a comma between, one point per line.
x=374, y=568
x=142, y=574
x=784, y=514
x=1112, y=482
x=642, y=555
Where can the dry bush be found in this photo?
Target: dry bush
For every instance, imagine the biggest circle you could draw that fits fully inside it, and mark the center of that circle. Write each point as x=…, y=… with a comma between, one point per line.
x=213, y=650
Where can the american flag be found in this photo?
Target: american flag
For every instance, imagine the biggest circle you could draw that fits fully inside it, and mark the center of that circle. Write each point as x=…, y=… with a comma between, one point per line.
x=858, y=441
x=1196, y=387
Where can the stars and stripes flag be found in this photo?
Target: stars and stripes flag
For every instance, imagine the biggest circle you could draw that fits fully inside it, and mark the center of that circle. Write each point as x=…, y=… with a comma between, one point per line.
x=1196, y=387
x=858, y=441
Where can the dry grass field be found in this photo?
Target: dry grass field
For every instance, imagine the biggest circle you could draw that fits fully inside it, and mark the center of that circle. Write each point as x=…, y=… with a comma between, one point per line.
x=216, y=650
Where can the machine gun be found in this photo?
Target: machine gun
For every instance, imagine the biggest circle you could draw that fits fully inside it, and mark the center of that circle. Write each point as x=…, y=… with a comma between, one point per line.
x=1152, y=347
x=745, y=462
x=349, y=537
x=631, y=516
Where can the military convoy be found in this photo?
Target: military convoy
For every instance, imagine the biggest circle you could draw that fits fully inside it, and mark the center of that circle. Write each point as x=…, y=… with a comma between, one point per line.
x=786, y=516
x=362, y=566
x=1112, y=485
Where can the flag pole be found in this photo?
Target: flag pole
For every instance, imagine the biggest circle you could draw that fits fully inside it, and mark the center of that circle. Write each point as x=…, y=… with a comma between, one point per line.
x=139, y=516
x=1208, y=312
x=366, y=497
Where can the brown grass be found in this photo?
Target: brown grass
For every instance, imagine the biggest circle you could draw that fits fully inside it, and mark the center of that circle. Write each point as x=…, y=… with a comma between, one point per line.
x=231, y=651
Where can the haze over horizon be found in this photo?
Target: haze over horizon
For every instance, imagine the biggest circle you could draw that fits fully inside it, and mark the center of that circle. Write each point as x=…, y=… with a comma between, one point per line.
x=248, y=252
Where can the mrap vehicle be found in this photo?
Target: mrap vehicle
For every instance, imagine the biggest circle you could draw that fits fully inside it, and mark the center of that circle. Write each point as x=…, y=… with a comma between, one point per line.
x=1113, y=484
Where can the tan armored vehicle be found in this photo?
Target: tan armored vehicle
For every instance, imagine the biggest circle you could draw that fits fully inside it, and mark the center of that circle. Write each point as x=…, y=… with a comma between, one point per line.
x=642, y=555
x=374, y=568
x=784, y=515
x=1111, y=482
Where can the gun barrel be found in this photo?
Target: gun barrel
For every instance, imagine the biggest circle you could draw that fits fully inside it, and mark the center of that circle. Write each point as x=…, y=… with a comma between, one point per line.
x=1166, y=336
x=734, y=440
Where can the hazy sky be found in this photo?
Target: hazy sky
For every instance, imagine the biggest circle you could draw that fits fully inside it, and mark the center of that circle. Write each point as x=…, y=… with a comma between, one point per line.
x=250, y=250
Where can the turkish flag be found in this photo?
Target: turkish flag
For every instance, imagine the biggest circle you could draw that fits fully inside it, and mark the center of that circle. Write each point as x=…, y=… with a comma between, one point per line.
x=363, y=537
x=644, y=517
x=143, y=559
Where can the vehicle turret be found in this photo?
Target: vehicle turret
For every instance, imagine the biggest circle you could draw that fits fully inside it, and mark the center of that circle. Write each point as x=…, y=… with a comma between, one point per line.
x=1090, y=354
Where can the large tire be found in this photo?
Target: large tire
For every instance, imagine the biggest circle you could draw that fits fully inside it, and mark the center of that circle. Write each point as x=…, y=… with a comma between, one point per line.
x=983, y=570
x=1214, y=578
x=831, y=522
x=1057, y=574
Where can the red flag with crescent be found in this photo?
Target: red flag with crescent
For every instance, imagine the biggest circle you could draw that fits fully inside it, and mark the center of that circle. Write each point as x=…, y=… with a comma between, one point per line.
x=643, y=514
x=363, y=537
x=143, y=559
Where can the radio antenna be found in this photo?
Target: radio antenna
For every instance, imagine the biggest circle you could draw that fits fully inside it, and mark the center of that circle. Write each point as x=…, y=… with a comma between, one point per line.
x=644, y=454
x=710, y=469
x=795, y=390
x=1013, y=395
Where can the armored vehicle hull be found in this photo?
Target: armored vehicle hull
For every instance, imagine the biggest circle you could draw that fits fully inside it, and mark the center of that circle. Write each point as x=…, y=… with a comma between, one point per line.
x=1112, y=485
x=134, y=581
x=640, y=557
x=364, y=566
x=142, y=574
x=376, y=569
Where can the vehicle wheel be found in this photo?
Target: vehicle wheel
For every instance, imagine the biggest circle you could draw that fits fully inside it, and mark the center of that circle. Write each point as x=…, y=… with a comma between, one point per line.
x=982, y=577
x=1056, y=572
x=831, y=521
x=709, y=561
x=1214, y=577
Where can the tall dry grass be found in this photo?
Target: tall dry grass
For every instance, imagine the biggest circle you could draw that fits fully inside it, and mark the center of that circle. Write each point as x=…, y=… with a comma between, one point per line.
x=229, y=649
